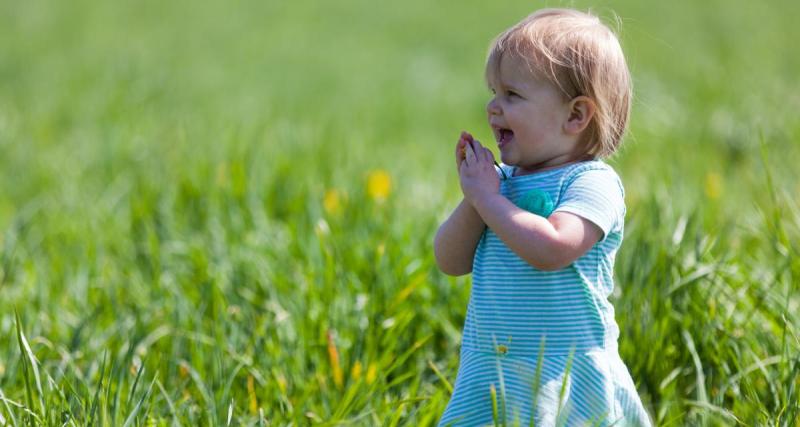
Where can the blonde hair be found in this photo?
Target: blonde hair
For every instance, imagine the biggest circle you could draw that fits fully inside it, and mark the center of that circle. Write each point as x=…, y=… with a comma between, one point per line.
x=581, y=56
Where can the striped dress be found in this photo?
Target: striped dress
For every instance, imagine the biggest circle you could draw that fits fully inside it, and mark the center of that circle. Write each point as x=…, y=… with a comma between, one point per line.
x=544, y=344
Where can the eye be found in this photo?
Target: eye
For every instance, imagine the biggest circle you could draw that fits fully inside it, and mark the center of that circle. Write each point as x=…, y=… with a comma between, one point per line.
x=512, y=94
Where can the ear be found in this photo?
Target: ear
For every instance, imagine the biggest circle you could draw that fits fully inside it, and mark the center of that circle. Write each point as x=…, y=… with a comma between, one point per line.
x=581, y=110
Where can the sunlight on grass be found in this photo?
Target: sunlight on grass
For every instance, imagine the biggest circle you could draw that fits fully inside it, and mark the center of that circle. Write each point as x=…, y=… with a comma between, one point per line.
x=222, y=214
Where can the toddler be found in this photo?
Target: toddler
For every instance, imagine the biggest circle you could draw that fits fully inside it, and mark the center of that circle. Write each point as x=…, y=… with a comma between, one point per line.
x=539, y=233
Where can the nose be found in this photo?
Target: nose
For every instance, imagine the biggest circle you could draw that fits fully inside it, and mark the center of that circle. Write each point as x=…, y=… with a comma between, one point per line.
x=493, y=108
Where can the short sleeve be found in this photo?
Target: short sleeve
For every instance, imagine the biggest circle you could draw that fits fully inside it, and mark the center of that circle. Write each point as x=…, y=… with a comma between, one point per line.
x=596, y=195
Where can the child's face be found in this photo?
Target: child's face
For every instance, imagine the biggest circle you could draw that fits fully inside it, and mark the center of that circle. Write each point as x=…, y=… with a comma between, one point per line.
x=527, y=115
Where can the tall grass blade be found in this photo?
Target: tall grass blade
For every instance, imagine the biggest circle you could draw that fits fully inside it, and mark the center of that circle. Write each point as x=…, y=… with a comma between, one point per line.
x=170, y=404
x=403, y=357
x=132, y=417
x=115, y=400
x=8, y=409
x=503, y=410
x=537, y=381
x=700, y=381
x=133, y=388
x=29, y=360
x=493, y=395
x=24, y=409
x=561, y=417
x=441, y=377
x=96, y=398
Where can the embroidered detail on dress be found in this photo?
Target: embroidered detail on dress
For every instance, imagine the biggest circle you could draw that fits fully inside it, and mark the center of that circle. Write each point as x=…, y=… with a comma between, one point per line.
x=538, y=202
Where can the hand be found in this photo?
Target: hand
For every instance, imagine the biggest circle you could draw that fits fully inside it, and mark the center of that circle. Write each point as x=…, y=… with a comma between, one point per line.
x=476, y=171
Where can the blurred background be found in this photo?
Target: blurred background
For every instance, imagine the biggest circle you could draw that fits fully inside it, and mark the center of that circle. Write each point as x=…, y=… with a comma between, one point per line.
x=223, y=212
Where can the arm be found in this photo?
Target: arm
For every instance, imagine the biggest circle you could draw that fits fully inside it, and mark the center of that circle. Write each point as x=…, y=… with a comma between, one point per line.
x=545, y=243
x=455, y=242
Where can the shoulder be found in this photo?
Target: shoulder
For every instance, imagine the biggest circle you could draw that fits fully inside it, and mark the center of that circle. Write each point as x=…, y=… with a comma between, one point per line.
x=591, y=166
x=595, y=174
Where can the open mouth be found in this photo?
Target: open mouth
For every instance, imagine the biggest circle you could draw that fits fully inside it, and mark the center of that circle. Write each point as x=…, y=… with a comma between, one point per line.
x=504, y=136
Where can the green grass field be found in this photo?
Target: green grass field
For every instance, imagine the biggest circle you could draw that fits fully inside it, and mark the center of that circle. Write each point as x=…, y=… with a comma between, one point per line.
x=222, y=213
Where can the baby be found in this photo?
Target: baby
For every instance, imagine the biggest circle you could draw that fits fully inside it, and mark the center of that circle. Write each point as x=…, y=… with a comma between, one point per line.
x=540, y=232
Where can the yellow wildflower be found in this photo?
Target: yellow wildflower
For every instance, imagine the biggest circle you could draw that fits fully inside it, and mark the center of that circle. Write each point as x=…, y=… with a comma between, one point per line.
x=332, y=202
x=355, y=373
x=713, y=185
x=379, y=185
x=333, y=354
x=281, y=381
x=381, y=249
x=371, y=373
x=251, y=393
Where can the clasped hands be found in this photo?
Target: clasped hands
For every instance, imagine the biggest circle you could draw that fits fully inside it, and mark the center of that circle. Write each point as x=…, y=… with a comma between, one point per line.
x=476, y=169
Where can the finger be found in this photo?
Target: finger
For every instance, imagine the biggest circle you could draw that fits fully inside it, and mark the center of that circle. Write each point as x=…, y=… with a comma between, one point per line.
x=471, y=157
x=480, y=156
x=463, y=170
x=469, y=140
x=481, y=151
x=489, y=155
x=461, y=150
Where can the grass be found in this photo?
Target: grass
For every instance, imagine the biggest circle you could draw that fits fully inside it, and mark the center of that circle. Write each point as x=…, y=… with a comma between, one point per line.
x=188, y=233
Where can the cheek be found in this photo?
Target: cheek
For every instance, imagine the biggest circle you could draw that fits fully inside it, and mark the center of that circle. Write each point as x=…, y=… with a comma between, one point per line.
x=525, y=116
